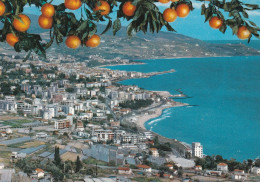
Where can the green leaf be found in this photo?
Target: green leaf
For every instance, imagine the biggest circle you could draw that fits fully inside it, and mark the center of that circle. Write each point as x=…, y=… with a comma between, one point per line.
x=109, y=25
x=116, y=26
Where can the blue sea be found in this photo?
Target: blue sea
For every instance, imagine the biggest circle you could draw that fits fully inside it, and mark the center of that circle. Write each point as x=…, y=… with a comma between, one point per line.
x=226, y=92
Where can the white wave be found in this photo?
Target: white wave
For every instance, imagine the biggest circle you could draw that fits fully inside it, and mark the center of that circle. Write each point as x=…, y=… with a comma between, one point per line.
x=166, y=114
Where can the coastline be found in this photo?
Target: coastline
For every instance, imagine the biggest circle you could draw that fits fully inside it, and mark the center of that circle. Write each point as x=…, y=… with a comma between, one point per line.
x=141, y=119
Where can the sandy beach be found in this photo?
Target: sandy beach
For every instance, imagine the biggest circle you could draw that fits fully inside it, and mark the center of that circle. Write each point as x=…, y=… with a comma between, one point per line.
x=141, y=119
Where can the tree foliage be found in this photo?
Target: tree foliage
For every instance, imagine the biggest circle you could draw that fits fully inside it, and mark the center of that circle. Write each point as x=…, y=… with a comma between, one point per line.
x=147, y=17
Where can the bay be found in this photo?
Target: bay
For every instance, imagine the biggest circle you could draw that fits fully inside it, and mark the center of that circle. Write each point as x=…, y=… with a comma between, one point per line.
x=225, y=90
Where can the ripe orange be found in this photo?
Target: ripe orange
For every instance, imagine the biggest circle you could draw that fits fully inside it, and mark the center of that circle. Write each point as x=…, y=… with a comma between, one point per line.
x=48, y=10
x=169, y=15
x=243, y=33
x=22, y=25
x=73, y=42
x=73, y=4
x=129, y=8
x=93, y=41
x=183, y=10
x=11, y=39
x=105, y=7
x=215, y=22
x=175, y=1
x=45, y=22
x=164, y=1
x=2, y=8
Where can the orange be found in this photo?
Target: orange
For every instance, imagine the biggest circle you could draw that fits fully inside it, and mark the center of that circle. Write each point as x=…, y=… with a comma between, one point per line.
x=183, y=10
x=45, y=22
x=73, y=4
x=73, y=42
x=104, y=7
x=175, y=1
x=2, y=8
x=93, y=41
x=215, y=22
x=243, y=33
x=48, y=10
x=23, y=24
x=169, y=15
x=164, y=1
x=11, y=39
x=129, y=8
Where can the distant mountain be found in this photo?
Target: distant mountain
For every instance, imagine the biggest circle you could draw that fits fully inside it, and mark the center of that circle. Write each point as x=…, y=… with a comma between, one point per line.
x=148, y=46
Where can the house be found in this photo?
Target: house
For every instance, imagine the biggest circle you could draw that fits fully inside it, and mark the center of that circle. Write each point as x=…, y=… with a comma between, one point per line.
x=124, y=170
x=239, y=176
x=39, y=172
x=238, y=171
x=144, y=168
x=198, y=168
x=255, y=170
x=168, y=176
x=170, y=166
x=222, y=167
x=154, y=152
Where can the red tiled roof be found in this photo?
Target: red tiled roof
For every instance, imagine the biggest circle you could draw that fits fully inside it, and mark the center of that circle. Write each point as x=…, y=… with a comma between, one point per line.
x=143, y=166
x=153, y=149
x=124, y=168
x=38, y=170
x=222, y=164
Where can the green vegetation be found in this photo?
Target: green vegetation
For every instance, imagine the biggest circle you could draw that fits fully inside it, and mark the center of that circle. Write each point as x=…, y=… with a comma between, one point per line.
x=93, y=161
x=136, y=104
x=78, y=165
x=16, y=123
x=210, y=162
x=57, y=159
x=144, y=179
x=162, y=147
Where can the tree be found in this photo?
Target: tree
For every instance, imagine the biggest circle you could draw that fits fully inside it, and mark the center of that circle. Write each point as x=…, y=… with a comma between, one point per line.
x=70, y=90
x=145, y=16
x=219, y=159
x=180, y=171
x=78, y=165
x=57, y=159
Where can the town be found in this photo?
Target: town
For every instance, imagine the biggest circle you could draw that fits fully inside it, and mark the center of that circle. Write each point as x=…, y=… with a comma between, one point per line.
x=65, y=121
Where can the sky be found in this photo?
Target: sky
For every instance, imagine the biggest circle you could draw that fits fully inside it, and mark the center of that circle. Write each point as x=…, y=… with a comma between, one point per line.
x=192, y=26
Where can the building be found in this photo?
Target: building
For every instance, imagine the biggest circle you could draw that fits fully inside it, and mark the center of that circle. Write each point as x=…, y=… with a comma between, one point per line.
x=39, y=172
x=198, y=168
x=62, y=124
x=154, y=152
x=256, y=170
x=6, y=175
x=239, y=176
x=124, y=170
x=104, y=135
x=222, y=167
x=144, y=168
x=197, y=150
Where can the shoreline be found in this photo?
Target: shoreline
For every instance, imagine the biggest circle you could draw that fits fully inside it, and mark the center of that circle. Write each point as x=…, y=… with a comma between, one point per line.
x=141, y=119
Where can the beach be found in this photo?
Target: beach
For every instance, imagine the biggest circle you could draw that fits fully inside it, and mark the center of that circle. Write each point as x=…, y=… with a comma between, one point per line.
x=142, y=118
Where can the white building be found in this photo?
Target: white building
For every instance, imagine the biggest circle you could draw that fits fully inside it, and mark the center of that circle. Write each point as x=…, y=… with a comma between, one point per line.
x=256, y=170
x=148, y=135
x=222, y=167
x=197, y=150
